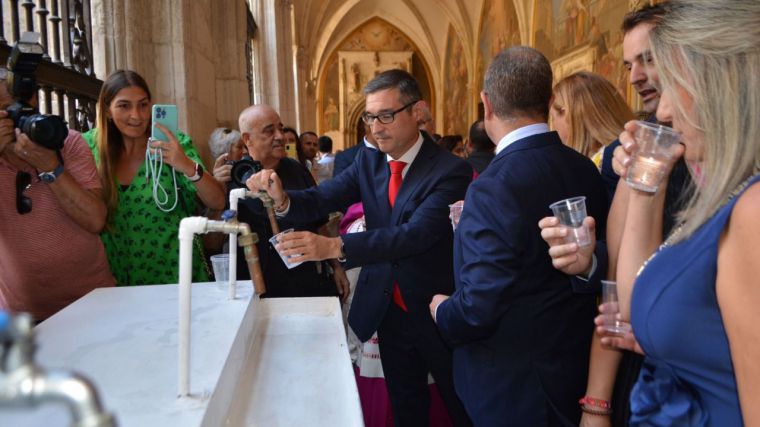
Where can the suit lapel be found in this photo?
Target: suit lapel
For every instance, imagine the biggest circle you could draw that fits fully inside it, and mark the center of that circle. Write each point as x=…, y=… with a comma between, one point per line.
x=419, y=168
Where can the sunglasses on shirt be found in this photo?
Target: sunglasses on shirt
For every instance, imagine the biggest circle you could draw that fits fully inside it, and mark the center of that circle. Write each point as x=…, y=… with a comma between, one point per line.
x=23, y=182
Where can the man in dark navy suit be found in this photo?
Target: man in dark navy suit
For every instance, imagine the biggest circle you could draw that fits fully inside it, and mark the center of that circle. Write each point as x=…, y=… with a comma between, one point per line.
x=520, y=330
x=406, y=252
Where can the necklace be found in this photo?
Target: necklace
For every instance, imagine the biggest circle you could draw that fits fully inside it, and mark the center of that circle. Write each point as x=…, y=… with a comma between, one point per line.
x=675, y=233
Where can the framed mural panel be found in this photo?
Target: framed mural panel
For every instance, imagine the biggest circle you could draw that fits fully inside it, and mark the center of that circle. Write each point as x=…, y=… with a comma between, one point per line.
x=565, y=30
x=456, y=111
x=581, y=59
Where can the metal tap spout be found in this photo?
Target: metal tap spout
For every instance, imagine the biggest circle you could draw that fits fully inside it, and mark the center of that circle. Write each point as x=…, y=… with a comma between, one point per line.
x=25, y=384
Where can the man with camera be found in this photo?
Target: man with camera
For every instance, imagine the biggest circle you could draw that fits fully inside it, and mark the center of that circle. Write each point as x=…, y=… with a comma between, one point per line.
x=50, y=216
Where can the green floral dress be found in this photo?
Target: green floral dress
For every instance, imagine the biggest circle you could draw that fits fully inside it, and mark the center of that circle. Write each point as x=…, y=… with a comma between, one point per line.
x=141, y=241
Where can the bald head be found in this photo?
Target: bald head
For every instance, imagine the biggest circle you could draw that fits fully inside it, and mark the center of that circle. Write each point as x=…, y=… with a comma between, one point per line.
x=261, y=130
x=252, y=114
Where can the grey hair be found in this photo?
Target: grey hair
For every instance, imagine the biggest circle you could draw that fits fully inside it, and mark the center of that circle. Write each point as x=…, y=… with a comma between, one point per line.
x=711, y=50
x=396, y=79
x=519, y=83
x=221, y=140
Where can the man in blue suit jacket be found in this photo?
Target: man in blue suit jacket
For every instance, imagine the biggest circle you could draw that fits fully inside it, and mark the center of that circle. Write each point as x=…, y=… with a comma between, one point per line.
x=344, y=159
x=406, y=252
x=521, y=331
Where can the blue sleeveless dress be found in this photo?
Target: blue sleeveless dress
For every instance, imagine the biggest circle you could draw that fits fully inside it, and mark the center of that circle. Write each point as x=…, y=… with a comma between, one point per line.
x=688, y=377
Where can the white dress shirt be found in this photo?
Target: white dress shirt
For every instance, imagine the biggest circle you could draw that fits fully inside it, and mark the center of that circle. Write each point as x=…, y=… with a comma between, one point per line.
x=409, y=156
x=521, y=133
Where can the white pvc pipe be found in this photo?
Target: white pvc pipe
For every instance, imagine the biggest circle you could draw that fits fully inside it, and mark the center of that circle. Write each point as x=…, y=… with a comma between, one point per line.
x=187, y=229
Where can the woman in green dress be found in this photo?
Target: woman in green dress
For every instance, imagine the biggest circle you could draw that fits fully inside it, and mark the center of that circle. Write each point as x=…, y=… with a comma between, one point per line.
x=144, y=210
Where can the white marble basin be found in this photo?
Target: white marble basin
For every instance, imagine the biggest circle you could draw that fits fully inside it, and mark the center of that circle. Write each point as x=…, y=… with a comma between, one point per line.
x=277, y=362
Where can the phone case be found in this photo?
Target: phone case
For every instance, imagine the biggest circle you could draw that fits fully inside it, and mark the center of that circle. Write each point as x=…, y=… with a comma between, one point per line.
x=167, y=116
x=291, y=150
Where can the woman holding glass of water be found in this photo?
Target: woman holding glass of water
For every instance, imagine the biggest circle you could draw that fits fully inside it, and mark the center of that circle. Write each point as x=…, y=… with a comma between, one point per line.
x=692, y=300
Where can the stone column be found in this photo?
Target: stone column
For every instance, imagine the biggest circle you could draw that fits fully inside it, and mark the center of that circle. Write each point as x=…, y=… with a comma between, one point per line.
x=273, y=57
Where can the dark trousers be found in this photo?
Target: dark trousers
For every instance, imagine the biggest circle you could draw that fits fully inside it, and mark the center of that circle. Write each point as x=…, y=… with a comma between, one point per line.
x=410, y=348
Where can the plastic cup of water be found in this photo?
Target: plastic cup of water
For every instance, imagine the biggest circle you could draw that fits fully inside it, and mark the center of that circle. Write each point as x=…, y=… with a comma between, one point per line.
x=654, y=150
x=610, y=309
x=571, y=213
x=221, y=266
x=286, y=259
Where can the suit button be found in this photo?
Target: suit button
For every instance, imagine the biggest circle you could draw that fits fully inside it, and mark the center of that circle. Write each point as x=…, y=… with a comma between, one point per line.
x=386, y=292
x=395, y=265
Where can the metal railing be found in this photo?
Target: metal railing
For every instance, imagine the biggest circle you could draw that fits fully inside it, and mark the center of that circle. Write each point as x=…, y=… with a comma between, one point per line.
x=68, y=86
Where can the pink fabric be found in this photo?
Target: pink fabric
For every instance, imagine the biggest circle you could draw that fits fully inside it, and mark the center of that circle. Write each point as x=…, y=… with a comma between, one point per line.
x=353, y=213
x=376, y=405
x=47, y=260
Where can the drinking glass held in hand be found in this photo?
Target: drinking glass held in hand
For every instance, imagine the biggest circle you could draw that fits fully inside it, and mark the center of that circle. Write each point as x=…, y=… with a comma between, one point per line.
x=570, y=213
x=650, y=159
x=285, y=258
x=610, y=310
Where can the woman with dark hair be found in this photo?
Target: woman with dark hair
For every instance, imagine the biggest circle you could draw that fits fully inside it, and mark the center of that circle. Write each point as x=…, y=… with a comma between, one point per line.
x=145, y=201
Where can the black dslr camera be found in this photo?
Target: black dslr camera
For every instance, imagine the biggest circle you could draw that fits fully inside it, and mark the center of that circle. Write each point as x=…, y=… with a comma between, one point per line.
x=46, y=130
x=244, y=169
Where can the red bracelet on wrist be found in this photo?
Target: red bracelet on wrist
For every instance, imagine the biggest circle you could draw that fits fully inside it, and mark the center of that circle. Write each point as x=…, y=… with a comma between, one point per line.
x=599, y=403
x=588, y=403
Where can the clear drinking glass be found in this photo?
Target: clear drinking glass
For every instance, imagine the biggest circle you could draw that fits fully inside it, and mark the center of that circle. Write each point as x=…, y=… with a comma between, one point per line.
x=571, y=213
x=455, y=212
x=653, y=152
x=610, y=309
x=285, y=259
x=221, y=265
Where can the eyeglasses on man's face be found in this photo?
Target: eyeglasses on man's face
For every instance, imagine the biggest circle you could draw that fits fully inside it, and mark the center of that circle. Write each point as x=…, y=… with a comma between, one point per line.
x=23, y=182
x=387, y=117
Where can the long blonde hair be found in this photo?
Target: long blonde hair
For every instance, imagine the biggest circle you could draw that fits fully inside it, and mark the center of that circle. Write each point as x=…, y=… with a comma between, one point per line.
x=711, y=50
x=595, y=111
x=109, y=139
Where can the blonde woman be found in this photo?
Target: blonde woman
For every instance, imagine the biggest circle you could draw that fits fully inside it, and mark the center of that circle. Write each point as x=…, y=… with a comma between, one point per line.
x=693, y=301
x=588, y=113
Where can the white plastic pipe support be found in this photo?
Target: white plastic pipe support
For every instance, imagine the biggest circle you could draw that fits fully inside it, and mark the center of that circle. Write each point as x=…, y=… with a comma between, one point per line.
x=188, y=227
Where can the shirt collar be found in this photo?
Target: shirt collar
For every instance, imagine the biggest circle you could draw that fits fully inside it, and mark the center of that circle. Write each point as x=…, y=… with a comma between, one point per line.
x=410, y=154
x=521, y=133
x=368, y=145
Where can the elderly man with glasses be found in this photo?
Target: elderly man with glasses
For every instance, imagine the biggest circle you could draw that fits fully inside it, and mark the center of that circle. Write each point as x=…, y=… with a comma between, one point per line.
x=50, y=216
x=406, y=251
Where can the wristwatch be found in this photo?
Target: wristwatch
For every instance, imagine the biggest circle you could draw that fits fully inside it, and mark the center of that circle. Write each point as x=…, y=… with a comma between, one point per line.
x=50, y=177
x=342, y=256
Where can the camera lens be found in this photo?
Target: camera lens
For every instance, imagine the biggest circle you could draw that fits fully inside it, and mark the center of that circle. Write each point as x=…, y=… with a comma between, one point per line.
x=46, y=130
x=244, y=169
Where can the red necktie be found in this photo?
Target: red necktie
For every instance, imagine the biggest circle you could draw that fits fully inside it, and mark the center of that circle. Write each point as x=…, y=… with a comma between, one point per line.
x=393, y=185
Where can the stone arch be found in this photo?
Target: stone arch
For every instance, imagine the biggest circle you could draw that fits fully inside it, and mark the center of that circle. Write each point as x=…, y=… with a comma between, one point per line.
x=354, y=116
